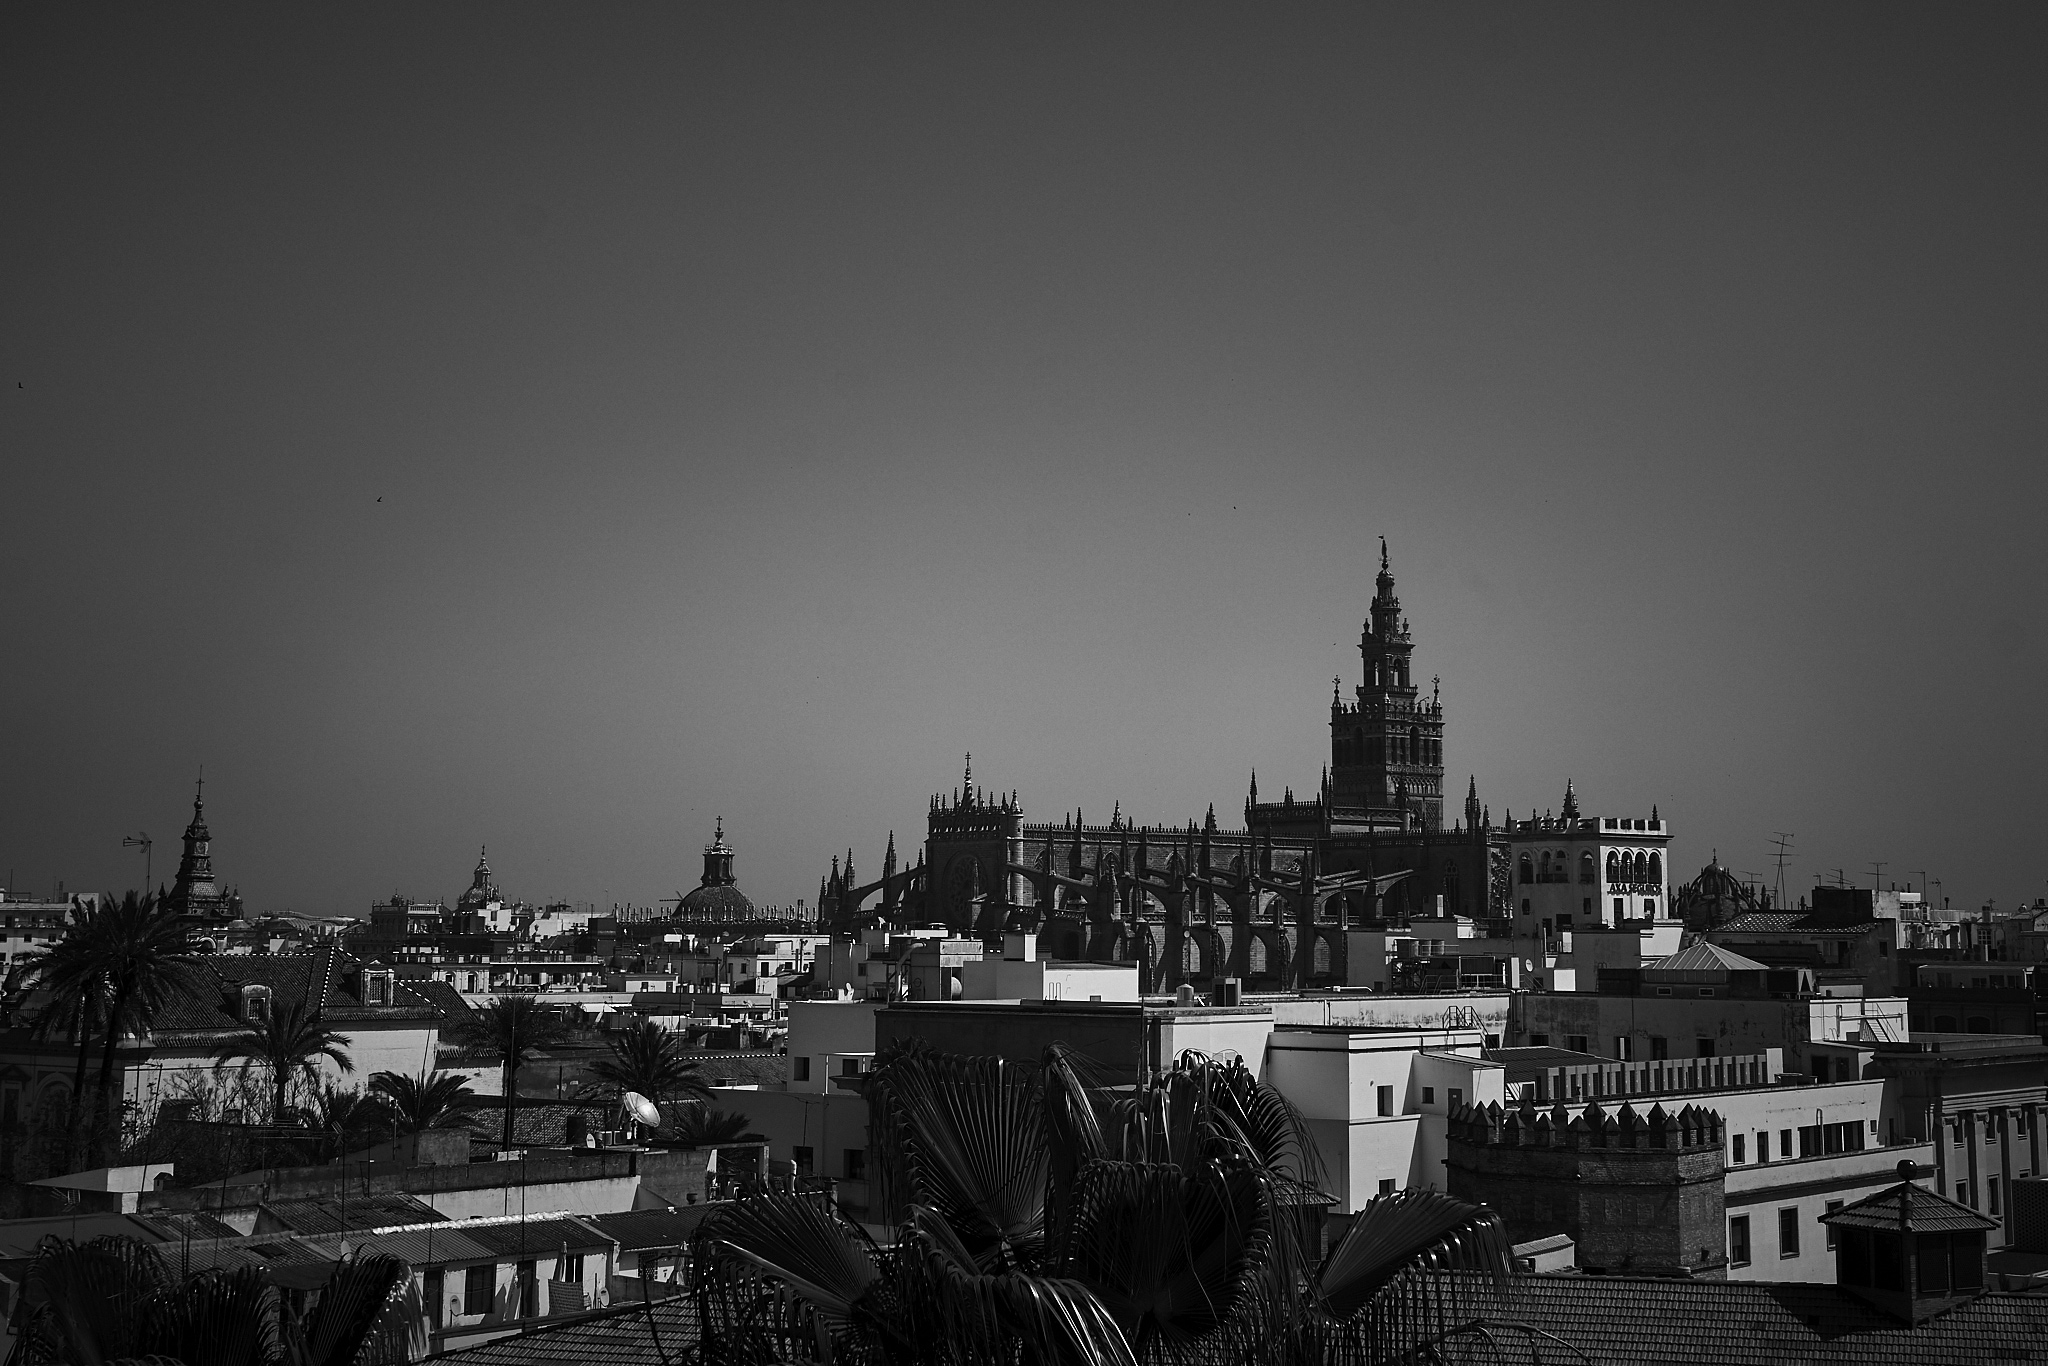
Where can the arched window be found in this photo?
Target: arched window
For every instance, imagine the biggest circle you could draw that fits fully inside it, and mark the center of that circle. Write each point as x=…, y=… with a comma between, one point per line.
x=1613, y=866
x=1414, y=745
x=1656, y=867
x=1322, y=958
x=1528, y=869
x=1586, y=869
x=1255, y=960
x=1543, y=867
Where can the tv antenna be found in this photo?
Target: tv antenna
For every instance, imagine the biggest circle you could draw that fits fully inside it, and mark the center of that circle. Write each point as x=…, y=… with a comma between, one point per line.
x=1923, y=881
x=1876, y=876
x=1781, y=840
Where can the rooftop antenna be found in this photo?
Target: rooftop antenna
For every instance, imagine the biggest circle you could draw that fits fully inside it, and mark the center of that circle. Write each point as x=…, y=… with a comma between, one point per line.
x=1782, y=841
x=1876, y=876
x=141, y=842
x=1841, y=877
x=1923, y=881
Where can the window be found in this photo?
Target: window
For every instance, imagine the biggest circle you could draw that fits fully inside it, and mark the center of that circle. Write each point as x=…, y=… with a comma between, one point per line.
x=1788, y=1233
x=1539, y=1041
x=1586, y=904
x=529, y=1290
x=1740, y=1142
x=1649, y=908
x=1455, y=1096
x=1525, y=905
x=1624, y=1048
x=1429, y=1095
x=1964, y=1195
x=849, y=1067
x=1386, y=1100
x=1620, y=907
x=1660, y=1048
x=856, y=1164
x=570, y=1268
x=1586, y=871
x=430, y=1290
x=1991, y=1195
x=1575, y=1042
x=1738, y=1240
x=1493, y=1041
x=1884, y=950
x=1763, y=1145
x=1833, y=1205
x=1955, y=1132
x=476, y=1288
x=1387, y=1186
x=800, y=1069
x=1705, y=1046
x=804, y=1159
x=1784, y=1143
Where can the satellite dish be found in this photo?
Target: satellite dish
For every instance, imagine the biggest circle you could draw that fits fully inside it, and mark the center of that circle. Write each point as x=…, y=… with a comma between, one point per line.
x=643, y=1109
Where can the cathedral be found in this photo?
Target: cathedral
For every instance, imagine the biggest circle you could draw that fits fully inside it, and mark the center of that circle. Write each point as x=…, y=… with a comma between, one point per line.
x=1268, y=902
x=194, y=891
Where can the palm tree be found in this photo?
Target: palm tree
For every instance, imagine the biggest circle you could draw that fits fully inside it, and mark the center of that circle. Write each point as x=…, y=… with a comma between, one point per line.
x=144, y=951
x=345, y=1120
x=74, y=972
x=431, y=1100
x=288, y=1044
x=650, y=1060
x=1048, y=1216
x=116, y=1299
x=702, y=1128
x=513, y=1028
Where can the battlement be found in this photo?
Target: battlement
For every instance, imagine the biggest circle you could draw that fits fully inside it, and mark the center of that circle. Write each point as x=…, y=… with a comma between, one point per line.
x=1577, y=1128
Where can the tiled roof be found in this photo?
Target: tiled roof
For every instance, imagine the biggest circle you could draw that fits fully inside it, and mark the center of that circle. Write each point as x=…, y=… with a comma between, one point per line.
x=1622, y=1321
x=642, y=1228
x=637, y=1335
x=324, y=981
x=1911, y=1207
x=740, y=1069
x=1795, y=922
x=325, y=1214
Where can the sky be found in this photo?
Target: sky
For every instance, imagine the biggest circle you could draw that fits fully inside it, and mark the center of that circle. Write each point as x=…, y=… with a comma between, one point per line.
x=555, y=428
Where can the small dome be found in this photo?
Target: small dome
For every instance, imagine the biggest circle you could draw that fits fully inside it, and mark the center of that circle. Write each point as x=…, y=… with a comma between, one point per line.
x=717, y=903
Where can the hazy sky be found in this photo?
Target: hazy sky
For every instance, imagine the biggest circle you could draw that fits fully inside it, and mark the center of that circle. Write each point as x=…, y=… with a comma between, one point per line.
x=556, y=427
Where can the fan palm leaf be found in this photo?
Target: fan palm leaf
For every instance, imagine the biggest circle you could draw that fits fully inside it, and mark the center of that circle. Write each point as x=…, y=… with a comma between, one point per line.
x=348, y=1311
x=967, y=1137
x=1396, y=1236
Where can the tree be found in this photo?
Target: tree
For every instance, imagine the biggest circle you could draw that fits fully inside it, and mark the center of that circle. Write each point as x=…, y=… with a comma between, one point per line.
x=115, y=1299
x=74, y=972
x=287, y=1044
x=1044, y=1215
x=145, y=955
x=700, y=1127
x=513, y=1028
x=652, y=1061
x=345, y=1120
x=431, y=1100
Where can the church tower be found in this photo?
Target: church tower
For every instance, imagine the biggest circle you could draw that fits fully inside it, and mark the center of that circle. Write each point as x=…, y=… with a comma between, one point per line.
x=1387, y=748
x=194, y=892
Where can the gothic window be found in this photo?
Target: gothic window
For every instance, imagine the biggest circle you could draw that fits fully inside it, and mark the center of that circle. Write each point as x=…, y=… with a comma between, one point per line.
x=1586, y=869
x=1322, y=958
x=1527, y=869
x=1414, y=745
x=1656, y=867
x=1613, y=866
x=1637, y=868
x=1256, y=959
x=1543, y=871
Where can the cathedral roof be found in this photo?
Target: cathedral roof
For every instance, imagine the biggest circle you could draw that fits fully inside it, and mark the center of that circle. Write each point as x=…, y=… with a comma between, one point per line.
x=721, y=901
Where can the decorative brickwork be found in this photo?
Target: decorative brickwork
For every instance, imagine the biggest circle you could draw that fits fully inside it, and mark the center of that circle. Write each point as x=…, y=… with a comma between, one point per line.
x=1638, y=1192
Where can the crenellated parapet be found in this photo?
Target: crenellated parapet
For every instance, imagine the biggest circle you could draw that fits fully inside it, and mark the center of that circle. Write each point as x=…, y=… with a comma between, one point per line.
x=1591, y=1125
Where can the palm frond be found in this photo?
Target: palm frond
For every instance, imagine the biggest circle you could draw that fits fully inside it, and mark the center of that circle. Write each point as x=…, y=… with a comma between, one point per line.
x=92, y=1301
x=1396, y=1236
x=967, y=1137
x=218, y=1318
x=351, y=1302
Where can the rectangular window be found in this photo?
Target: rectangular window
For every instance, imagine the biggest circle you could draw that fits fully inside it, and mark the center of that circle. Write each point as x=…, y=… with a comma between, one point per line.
x=1454, y=1097
x=1965, y=1195
x=1991, y=1195
x=1738, y=1240
x=1660, y=1048
x=570, y=1268
x=1539, y=1041
x=1955, y=1129
x=1788, y=1233
x=849, y=1067
x=856, y=1164
x=803, y=1157
x=1784, y=1143
x=1387, y=1186
x=1624, y=1048
x=1763, y=1145
x=1429, y=1095
x=477, y=1283
x=1576, y=1043
x=1740, y=1143
x=1386, y=1100
x=800, y=1069
x=1833, y=1205
x=431, y=1291
x=1619, y=908
x=1493, y=1041
x=1705, y=1046
x=529, y=1290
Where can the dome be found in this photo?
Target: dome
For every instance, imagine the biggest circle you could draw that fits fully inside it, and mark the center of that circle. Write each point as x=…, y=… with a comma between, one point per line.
x=716, y=903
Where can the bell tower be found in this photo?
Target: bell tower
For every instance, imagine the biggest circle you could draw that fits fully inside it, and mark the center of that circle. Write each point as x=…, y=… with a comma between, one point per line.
x=1387, y=748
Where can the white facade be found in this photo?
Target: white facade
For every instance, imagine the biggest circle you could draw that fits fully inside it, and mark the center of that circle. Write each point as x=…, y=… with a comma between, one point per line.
x=1377, y=1101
